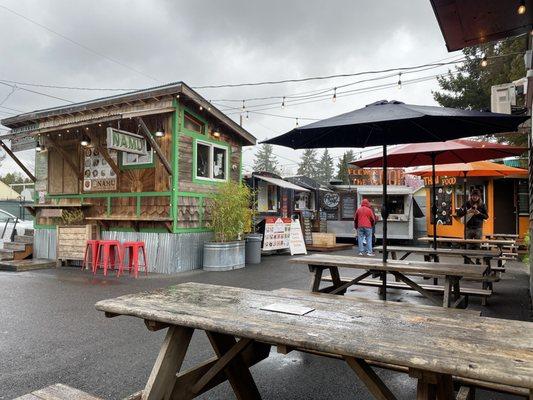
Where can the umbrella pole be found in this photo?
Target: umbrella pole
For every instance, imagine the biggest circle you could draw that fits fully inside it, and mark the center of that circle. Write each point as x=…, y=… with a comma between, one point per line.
x=434, y=201
x=464, y=200
x=384, y=211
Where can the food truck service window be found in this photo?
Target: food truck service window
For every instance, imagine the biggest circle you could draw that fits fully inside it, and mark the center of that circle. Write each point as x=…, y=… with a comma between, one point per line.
x=211, y=161
x=267, y=197
x=395, y=204
x=138, y=160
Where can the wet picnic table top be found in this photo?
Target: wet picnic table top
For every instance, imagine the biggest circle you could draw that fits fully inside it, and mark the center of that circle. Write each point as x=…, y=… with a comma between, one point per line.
x=420, y=337
x=496, y=242
x=443, y=251
x=402, y=266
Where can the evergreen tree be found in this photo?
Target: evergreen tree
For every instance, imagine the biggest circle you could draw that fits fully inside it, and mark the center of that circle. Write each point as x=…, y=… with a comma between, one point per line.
x=15, y=177
x=308, y=164
x=470, y=86
x=325, y=168
x=265, y=160
x=342, y=166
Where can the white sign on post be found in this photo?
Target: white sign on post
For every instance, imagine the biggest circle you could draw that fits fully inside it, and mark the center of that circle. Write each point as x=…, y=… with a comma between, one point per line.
x=296, y=239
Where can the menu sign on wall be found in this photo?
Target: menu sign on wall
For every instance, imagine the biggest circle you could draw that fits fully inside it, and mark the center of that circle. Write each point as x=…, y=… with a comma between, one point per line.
x=348, y=205
x=277, y=233
x=98, y=176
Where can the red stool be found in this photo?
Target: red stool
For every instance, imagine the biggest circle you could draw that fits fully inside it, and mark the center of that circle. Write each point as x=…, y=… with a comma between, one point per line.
x=109, y=253
x=91, y=250
x=132, y=250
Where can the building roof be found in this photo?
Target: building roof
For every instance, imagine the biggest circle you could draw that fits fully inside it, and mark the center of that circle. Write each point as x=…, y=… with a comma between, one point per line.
x=466, y=23
x=171, y=89
x=281, y=183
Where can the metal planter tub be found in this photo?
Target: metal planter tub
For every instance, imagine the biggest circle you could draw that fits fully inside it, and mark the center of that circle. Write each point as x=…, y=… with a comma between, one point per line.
x=224, y=256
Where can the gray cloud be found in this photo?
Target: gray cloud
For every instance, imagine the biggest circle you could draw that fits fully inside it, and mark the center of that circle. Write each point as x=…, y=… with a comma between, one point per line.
x=205, y=42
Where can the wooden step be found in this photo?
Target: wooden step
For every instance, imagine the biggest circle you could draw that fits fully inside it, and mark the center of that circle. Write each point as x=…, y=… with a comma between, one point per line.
x=403, y=286
x=17, y=246
x=27, y=265
x=6, y=254
x=58, y=392
x=24, y=238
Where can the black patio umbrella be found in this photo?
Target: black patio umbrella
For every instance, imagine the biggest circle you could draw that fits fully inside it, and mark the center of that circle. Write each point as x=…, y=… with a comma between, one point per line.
x=393, y=122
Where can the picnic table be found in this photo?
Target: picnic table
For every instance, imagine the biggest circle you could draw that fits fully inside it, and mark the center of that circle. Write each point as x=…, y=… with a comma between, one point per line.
x=431, y=253
x=498, y=243
x=451, y=272
x=242, y=325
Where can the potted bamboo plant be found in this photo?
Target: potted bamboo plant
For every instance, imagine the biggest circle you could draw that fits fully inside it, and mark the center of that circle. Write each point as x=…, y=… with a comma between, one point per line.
x=231, y=218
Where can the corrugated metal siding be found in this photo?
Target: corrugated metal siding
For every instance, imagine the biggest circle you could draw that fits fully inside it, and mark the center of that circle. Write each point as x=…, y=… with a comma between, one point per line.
x=167, y=253
x=44, y=243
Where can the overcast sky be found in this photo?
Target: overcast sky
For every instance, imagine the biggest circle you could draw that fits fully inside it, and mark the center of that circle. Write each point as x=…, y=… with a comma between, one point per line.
x=201, y=42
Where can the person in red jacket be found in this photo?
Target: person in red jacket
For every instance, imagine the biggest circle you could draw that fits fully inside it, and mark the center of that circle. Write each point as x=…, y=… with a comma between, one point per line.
x=364, y=221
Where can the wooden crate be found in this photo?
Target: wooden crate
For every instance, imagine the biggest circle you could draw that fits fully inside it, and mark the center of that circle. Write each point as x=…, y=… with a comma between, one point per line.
x=71, y=240
x=324, y=239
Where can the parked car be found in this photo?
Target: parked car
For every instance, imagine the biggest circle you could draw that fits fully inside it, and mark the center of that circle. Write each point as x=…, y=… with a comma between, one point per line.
x=8, y=221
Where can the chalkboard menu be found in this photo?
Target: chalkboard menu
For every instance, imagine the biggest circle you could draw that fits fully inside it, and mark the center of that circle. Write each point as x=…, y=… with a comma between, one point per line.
x=306, y=230
x=444, y=205
x=348, y=205
x=322, y=222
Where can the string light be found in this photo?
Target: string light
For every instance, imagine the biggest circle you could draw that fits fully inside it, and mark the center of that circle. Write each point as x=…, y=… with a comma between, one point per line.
x=399, y=80
x=201, y=108
x=247, y=114
x=297, y=124
x=521, y=10
x=243, y=106
x=283, y=102
x=334, y=99
x=484, y=61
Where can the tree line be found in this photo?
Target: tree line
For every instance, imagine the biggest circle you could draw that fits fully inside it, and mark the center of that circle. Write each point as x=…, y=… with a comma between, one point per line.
x=313, y=164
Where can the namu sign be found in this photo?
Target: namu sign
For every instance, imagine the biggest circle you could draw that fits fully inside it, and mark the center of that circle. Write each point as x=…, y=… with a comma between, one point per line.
x=125, y=141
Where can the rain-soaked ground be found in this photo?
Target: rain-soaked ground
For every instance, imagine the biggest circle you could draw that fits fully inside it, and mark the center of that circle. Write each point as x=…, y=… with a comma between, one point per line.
x=50, y=332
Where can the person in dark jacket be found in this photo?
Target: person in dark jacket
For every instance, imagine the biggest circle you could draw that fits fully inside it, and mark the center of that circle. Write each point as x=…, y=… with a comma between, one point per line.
x=364, y=221
x=475, y=212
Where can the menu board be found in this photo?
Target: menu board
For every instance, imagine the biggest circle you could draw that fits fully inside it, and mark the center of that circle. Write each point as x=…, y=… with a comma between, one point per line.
x=98, y=176
x=444, y=205
x=277, y=233
x=322, y=222
x=296, y=239
x=348, y=205
x=306, y=228
x=41, y=171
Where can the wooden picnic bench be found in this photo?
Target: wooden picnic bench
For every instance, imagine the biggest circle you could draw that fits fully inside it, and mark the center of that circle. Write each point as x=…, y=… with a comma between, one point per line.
x=498, y=243
x=452, y=274
x=243, y=324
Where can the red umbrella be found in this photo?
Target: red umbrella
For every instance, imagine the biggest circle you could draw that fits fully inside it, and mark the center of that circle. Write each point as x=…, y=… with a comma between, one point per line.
x=451, y=151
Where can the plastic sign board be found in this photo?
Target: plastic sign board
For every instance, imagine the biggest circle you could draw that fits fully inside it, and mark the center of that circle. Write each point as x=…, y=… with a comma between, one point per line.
x=125, y=141
x=277, y=233
x=296, y=239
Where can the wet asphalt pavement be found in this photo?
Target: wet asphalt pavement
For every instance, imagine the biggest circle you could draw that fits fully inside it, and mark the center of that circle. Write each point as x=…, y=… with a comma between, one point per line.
x=50, y=332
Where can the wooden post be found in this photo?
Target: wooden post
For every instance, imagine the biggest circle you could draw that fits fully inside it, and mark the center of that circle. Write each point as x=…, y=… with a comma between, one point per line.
x=148, y=136
x=17, y=161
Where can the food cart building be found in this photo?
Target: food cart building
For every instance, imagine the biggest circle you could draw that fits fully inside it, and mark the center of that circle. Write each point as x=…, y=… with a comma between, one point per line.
x=140, y=166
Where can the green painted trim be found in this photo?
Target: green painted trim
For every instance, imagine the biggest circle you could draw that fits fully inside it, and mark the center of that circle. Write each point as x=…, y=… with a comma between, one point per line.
x=108, y=207
x=205, y=181
x=174, y=154
x=49, y=227
x=144, y=230
x=192, y=230
x=105, y=195
x=194, y=194
x=240, y=167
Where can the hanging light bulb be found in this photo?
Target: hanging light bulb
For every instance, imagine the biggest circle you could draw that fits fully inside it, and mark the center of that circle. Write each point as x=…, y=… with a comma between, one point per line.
x=38, y=148
x=484, y=61
x=201, y=108
x=283, y=102
x=85, y=142
x=334, y=99
x=521, y=10
x=247, y=114
x=399, y=80
x=209, y=106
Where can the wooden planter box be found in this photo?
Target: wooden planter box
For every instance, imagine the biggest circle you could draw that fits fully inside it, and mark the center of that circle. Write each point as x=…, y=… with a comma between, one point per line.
x=72, y=239
x=324, y=239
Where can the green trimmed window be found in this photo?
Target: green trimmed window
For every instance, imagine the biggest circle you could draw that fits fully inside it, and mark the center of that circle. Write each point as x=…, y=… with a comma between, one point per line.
x=211, y=161
x=193, y=124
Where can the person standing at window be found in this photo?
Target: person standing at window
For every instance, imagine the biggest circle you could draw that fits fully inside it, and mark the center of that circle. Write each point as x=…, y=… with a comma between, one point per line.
x=364, y=221
x=475, y=212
